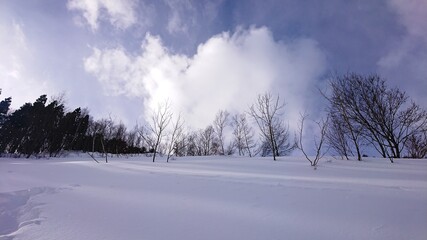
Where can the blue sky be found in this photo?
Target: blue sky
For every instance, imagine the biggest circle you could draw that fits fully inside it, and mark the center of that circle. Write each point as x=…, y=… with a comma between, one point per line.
x=119, y=58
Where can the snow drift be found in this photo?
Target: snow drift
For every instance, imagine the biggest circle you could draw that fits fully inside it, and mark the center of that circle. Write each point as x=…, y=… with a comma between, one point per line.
x=212, y=198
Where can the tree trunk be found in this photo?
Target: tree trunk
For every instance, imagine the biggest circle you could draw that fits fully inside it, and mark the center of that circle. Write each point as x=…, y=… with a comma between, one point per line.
x=103, y=149
x=359, y=156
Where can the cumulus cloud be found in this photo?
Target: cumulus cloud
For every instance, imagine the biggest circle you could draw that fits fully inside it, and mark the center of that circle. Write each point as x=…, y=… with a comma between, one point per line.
x=148, y=74
x=120, y=14
x=228, y=71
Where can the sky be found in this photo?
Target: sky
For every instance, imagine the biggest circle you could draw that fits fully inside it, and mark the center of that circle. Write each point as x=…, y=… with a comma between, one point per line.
x=121, y=58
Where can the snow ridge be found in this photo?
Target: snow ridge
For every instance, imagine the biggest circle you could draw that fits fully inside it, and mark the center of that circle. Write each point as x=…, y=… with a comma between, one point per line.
x=18, y=210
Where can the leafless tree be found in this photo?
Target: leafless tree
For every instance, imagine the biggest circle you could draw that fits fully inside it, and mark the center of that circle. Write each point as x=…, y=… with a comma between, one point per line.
x=160, y=119
x=92, y=130
x=98, y=129
x=267, y=113
x=243, y=135
x=318, y=141
x=192, y=148
x=344, y=136
x=416, y=145
x=336, y=137
x=411, y=123
x=384, y=116
x=238, y=135
x=132, y=138
x=207, y=142
x=219, y=124
x=344, y=133
x=146, y=137
x=119, y=132
x=109, y=128
x=181, y=144
x=175, y=136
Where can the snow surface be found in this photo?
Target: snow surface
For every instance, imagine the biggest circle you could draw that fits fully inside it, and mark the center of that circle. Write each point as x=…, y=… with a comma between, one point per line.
x=212, y=198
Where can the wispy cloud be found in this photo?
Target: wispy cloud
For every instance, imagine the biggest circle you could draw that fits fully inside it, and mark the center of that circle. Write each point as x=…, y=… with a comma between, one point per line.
x=407, y=59
x=227, y=72
x=181, y=16
x=120, y=14
x=412, y=14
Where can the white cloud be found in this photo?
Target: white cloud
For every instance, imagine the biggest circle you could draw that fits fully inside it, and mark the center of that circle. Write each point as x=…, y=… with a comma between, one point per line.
x=16, y=76
x=13, y=45
x=154, y=71
x=412, y=14
x=186, y=15
x=404, y=64
x=120, y=14
x=210, y=9
x=179, y=10
x=227, y=72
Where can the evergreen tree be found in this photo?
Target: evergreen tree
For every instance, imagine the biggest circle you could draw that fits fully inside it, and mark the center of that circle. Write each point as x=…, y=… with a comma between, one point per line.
x=4, y=109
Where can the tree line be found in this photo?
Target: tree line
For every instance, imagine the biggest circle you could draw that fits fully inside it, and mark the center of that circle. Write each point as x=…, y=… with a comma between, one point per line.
x=362, y=112
x=46, y=128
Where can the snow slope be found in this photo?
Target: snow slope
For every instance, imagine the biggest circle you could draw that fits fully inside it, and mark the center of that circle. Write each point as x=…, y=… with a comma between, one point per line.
x=212, y=198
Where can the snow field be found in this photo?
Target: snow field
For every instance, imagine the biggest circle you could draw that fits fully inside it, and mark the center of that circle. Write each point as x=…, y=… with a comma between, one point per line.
x=212, y=198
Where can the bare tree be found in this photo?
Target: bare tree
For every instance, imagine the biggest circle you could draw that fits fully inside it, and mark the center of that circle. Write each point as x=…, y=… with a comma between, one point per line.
x=109, y=128
x=243, y=135
x=238, y=134
x=93, y=129
x=175, y=137
x=267, y=113
x=160, y=120
x=207, y=142
x=336, y=137
x=120, y=131
x=344, y=133
x=192, y=148
x=416, y=146
x=318, y=141
x=133, y=139
x=98, y=130
x=219, y=125
x=382, y=115
x=181, y=144
x=146, y=137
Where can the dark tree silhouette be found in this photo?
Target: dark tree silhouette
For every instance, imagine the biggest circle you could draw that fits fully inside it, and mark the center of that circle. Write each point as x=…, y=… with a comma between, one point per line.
x=384, y=116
